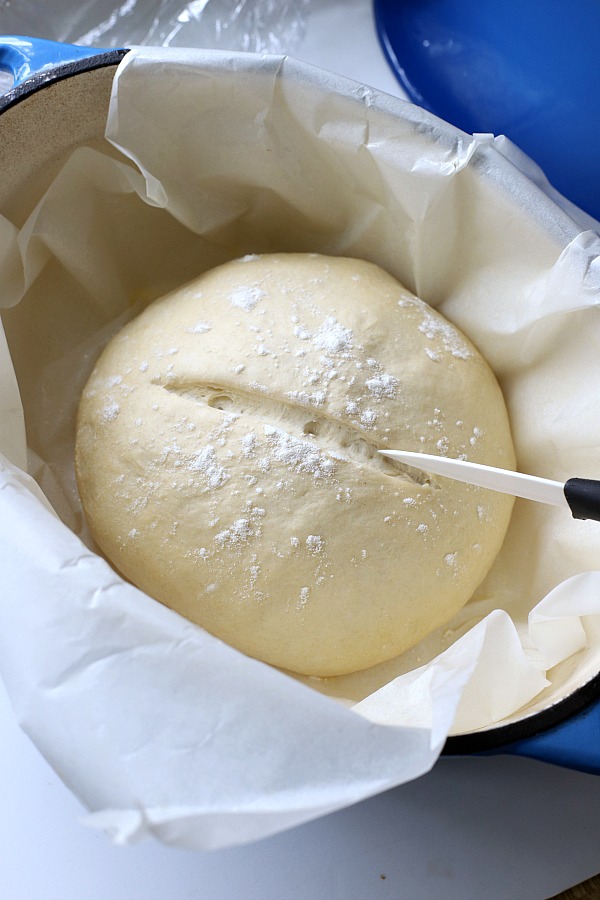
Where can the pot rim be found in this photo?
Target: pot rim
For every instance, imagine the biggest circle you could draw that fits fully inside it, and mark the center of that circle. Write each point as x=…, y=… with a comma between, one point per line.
x=500, y=738
x=51, y=73
x=495, y=739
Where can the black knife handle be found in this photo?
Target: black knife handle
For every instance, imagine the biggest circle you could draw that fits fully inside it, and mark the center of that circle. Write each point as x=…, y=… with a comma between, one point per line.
x=583, y=497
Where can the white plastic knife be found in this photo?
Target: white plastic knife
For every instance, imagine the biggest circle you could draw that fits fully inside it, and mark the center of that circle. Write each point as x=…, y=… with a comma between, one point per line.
x=580, y=495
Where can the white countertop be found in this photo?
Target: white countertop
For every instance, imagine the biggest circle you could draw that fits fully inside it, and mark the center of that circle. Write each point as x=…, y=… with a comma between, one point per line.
x=493, y=828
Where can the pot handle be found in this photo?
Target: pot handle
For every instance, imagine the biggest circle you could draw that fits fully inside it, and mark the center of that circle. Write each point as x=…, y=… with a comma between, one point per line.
x=25, y=56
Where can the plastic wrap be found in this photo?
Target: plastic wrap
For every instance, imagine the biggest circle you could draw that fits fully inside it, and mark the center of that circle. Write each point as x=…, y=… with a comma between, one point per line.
x=269, y=26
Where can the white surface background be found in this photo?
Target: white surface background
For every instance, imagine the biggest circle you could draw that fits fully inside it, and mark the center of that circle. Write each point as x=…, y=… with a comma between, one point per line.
x=498, y=828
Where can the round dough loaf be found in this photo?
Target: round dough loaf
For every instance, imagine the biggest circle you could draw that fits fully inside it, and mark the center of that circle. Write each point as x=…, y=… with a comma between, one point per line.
x=227, y=460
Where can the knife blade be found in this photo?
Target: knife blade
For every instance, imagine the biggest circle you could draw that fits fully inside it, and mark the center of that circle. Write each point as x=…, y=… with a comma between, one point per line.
x=580, y=495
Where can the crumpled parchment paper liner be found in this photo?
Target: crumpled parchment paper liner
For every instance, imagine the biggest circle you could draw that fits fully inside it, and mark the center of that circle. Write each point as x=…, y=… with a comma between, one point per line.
x=152, y=721
x=490, y=647
x=158, y=727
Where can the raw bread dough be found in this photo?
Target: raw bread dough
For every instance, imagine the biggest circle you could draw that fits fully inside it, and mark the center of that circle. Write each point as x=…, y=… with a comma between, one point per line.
x=226, y=460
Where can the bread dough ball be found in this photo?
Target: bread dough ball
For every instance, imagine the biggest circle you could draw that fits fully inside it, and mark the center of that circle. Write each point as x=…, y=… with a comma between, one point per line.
x=227, y=460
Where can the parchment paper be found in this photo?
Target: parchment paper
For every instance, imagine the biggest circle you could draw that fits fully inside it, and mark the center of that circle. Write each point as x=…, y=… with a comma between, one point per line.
x=158, y=727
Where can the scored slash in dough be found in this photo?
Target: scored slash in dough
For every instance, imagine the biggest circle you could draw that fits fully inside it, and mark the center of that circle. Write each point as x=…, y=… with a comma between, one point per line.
x=226, y=460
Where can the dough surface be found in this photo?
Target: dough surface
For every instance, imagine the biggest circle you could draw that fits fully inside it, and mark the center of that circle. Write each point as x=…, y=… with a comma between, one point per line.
x=226, y=460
